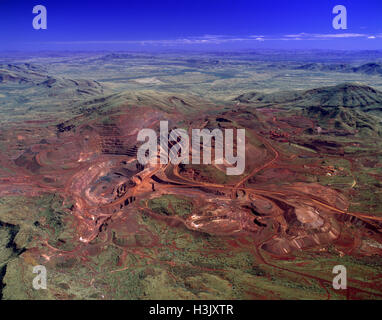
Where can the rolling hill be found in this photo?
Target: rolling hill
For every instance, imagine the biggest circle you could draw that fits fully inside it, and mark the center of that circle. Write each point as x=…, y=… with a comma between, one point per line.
x=351, y=107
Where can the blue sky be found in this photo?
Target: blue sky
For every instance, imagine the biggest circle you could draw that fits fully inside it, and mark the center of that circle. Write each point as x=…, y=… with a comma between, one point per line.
x=190, y=24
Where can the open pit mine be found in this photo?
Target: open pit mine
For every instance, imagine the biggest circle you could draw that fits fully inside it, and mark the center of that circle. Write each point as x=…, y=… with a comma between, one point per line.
x=75, y=198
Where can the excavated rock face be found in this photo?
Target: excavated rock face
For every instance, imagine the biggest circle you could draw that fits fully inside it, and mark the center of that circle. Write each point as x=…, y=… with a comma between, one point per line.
x=142, y=216
x=97, y=168
x=298, y=223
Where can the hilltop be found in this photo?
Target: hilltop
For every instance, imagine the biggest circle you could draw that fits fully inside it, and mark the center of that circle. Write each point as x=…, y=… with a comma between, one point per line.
x=348, y=95
x=34, y=75
x=350, y=107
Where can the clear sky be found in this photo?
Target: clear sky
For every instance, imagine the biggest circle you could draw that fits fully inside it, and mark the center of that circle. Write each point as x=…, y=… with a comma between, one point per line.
x=190, y=24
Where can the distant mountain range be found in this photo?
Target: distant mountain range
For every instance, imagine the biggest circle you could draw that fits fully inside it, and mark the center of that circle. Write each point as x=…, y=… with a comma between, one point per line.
x=371, y=68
